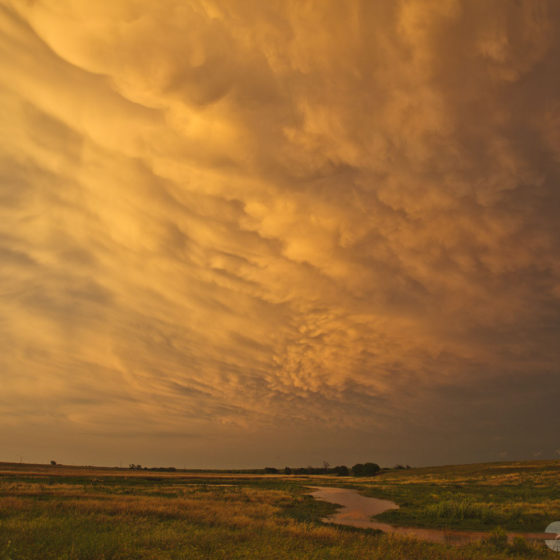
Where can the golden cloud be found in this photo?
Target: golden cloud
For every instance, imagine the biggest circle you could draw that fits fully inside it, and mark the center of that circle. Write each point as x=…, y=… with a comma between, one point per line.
x=223, y=218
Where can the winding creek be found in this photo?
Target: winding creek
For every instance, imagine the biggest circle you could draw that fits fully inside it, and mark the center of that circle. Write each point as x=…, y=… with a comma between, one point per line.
x=357, y=511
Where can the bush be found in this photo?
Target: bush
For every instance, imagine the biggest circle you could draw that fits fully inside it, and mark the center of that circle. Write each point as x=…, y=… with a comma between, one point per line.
x=497, y=539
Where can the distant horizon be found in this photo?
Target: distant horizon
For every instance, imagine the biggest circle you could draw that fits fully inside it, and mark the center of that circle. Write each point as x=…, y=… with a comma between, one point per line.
x=178, y=468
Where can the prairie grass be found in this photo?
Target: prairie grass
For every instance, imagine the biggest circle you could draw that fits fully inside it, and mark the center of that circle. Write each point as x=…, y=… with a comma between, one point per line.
x=84, y=515
x=522, y=497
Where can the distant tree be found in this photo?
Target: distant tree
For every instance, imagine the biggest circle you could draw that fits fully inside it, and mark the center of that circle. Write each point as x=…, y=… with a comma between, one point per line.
x=398, y=467
x=270, y=470
x=326, y=466
x=358, y=469
x=371, y=469
x=53, y=463
x=287, y=470
x=341, y=470
x=367, y=469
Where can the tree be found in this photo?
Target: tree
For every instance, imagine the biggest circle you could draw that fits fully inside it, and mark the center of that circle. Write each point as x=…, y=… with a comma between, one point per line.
x=358, y=469
x=287, y=470
x=270, y=470
x=371, y=469
x=367, y=469
x=53, y=463
x=341, y=470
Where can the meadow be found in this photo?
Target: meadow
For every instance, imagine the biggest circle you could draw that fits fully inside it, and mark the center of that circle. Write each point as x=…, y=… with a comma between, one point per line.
x=522, y=497
x=63, y=513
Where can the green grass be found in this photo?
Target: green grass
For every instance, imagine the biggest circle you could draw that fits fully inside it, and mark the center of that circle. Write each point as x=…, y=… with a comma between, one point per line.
x=522, y=497
x=114, y=516
x=306, y=509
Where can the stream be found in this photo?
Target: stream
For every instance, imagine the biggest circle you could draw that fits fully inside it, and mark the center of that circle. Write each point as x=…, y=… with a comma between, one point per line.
x=357, y=511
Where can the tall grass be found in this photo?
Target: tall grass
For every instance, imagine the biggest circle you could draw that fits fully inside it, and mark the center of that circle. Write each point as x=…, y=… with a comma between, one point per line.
x=459, y=510
x=522, y=497
x=120, y=518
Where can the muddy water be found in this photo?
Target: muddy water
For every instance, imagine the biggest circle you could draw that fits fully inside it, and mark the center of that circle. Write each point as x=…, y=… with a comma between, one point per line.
x=357, y=511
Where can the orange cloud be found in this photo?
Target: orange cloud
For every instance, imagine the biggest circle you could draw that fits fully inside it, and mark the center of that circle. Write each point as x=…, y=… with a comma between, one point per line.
x=235, y=222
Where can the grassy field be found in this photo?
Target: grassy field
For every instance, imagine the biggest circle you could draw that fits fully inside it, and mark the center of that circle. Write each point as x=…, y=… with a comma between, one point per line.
x=70, y=513
x=521, y=497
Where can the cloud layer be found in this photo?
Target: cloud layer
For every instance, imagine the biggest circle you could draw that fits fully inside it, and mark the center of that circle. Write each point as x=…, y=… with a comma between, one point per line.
x=240, y=232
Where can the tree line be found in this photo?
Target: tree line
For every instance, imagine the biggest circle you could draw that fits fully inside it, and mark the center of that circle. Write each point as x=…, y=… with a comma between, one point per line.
x=359, y=469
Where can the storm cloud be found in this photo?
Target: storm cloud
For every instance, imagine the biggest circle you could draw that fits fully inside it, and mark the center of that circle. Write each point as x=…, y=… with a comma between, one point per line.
x=238, y=233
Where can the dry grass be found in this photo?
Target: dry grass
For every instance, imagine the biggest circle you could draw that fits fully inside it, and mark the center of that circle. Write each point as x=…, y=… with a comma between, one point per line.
x=522, y=497
x=58, y=513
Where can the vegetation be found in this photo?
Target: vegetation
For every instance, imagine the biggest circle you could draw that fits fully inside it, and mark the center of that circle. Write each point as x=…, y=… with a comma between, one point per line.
x=367, y=469
x=68, y=513
x=522, y=497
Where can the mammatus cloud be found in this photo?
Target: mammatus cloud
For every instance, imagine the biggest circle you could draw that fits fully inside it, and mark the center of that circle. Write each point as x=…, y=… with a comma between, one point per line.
x=243, y=232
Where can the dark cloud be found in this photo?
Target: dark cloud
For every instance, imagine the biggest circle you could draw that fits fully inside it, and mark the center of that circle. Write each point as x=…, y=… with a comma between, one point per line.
x=280, y=230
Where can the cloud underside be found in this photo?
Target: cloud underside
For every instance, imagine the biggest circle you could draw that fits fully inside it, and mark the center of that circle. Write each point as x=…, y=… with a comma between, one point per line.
x=217, y=218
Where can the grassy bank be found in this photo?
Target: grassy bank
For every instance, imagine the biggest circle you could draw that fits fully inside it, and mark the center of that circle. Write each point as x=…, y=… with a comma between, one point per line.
x=521, y=497
x=61, y=514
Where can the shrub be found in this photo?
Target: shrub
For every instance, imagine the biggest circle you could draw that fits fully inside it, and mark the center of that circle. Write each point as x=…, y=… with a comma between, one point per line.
x=497, y=539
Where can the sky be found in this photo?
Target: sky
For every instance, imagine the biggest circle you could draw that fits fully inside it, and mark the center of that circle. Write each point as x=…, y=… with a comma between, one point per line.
x=237, y=233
